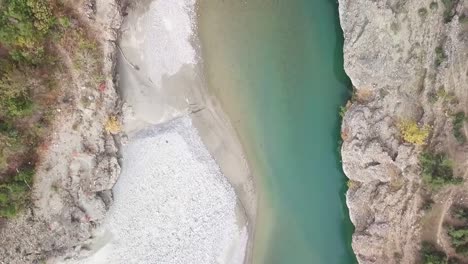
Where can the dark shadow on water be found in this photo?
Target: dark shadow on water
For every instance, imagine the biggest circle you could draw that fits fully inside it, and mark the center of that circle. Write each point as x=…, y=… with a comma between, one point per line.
x=340, y=75
x=338, y=68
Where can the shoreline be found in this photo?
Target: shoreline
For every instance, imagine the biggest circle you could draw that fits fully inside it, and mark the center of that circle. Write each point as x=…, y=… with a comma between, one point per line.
x=218, y=135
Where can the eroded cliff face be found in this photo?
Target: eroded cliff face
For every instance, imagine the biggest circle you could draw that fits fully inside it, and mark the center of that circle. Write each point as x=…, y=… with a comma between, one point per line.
x=402, y=56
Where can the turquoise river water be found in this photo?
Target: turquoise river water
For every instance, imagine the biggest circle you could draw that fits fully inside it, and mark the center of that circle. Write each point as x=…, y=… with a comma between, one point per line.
x=277, y=68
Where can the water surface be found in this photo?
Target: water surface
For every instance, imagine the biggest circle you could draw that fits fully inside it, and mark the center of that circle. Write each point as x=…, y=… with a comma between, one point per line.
x=276, y=66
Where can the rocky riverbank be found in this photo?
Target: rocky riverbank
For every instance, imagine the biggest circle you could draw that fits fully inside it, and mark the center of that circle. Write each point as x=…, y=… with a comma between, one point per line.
x=79, y=160
x=408, y=64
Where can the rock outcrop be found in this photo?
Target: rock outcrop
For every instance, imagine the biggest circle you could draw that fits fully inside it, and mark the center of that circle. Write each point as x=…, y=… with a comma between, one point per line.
x=401, y=55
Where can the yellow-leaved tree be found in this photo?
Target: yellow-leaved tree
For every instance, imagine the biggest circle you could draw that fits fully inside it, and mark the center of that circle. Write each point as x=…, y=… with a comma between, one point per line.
x=413, y=133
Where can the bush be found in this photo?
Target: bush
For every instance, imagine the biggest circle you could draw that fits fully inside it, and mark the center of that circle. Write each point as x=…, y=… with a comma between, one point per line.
x=15, y=88
x=427, y=204
x=24, y=24
x=430, y=255
x=14, y=193
x=459, y=236
x=422, y=12
x=458, y=122
x=454, y=260
x=459, y=239
x=432, y=97
x=343, y=110
x=449, y=11
x=437, y=170
x=461, y=213
x=440, y=55
x=412, y=133
x=13, y=82
x=113, y=125
x=447, y=97
x=18, y=107
x=463, y=19
x=352, y=184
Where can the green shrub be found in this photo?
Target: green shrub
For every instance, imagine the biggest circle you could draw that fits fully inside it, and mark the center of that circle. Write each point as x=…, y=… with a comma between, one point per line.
x=343, y=110
x=454, y=260
x=440, y=55
x=14, y=193
x=13, y=82
x=462, y=250
x=463, y=19
x=461, y=213
x=437, y=170
x=422, y=12
x=64, y=22
x=395, y=27
x=459, y=236
x=458, y=122
x=459, y=239
x=427, y=204
x=449, y=11
x=18, y=107
x=432, y=97
x=10, y=146
x=433, y=5
x=15, y=87
x=448, y=97
x=430, y=255
x=24, y=24
x=6, y=127
x=352, y=184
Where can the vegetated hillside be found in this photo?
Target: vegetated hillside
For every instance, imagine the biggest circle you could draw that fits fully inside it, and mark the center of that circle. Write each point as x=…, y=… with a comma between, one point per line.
x=57, y=123
x=24, y=86
x=34, y=34
x=404, y=132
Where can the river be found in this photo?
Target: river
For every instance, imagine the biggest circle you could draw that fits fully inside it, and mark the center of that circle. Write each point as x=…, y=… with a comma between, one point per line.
x=277, y=68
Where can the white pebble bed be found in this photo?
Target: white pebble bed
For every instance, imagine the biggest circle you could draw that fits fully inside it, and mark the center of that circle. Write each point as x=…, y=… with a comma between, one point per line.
x=172, y=203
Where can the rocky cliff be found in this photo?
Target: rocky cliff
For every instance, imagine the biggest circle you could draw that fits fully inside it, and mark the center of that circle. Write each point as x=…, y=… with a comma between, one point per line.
x=408, y=60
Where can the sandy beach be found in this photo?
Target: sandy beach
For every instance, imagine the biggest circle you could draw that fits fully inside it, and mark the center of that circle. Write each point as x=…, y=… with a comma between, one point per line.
x=186, y=193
